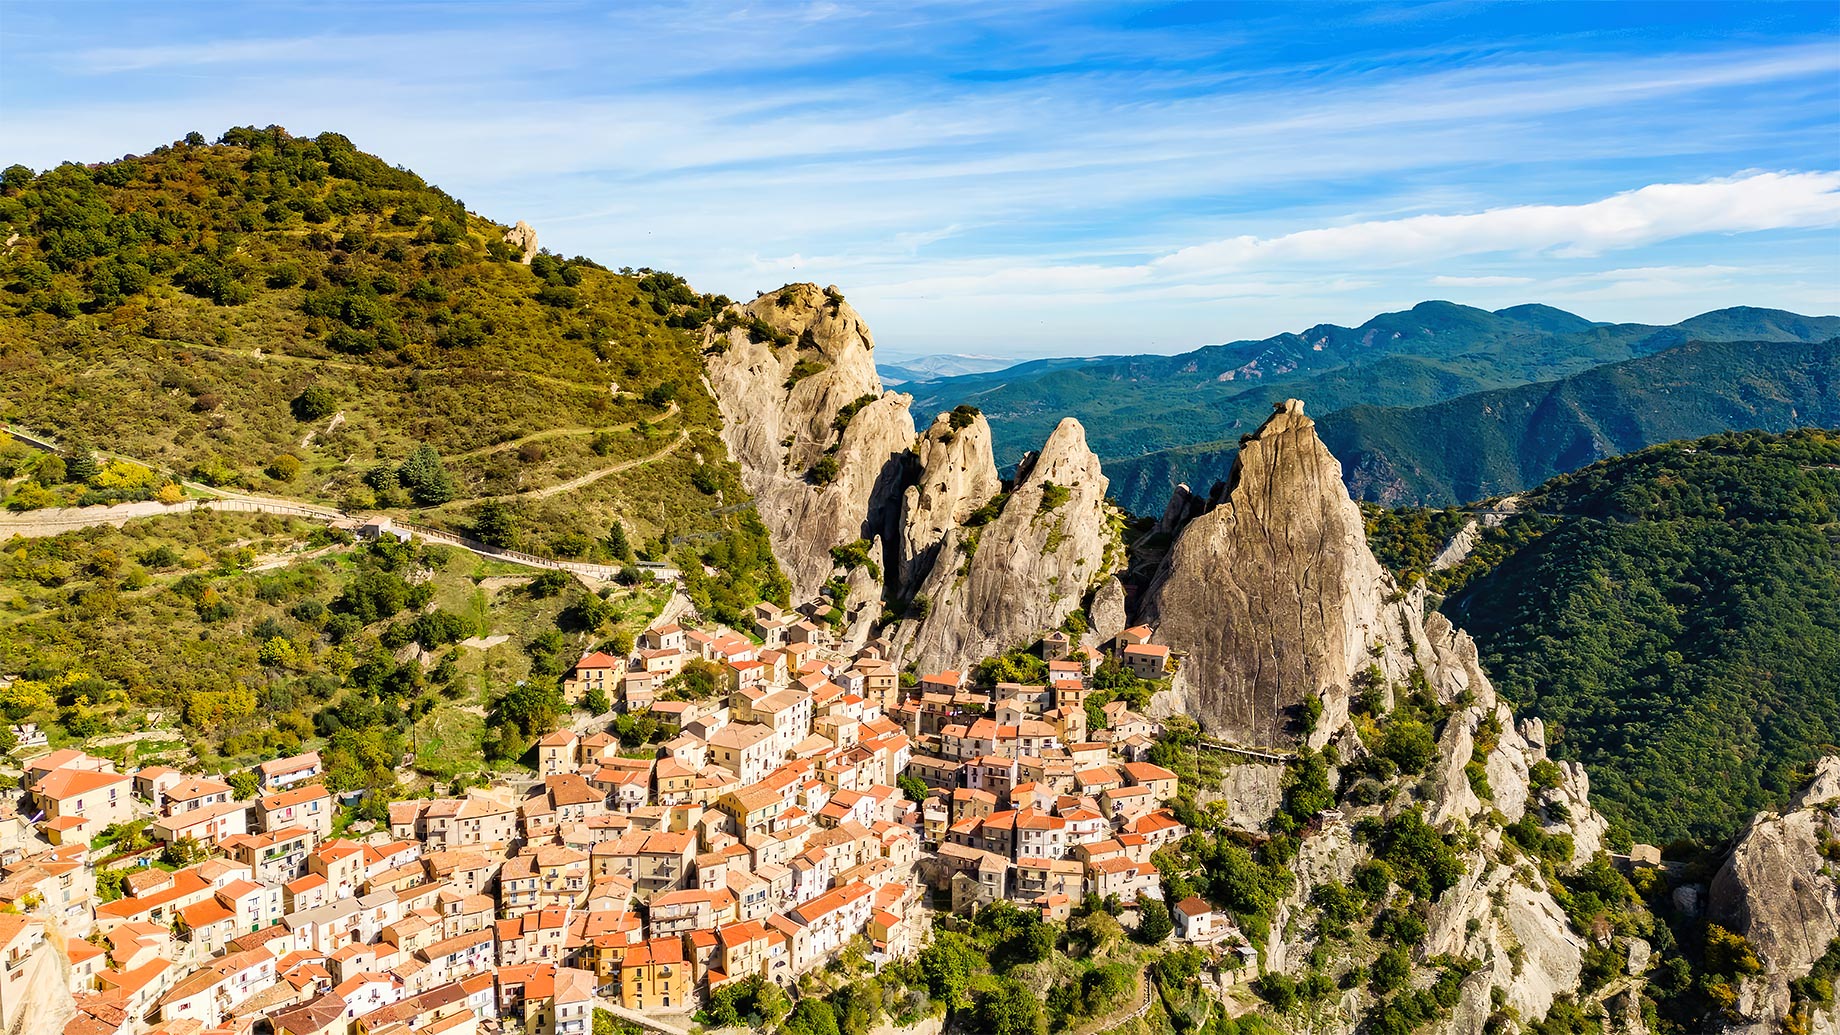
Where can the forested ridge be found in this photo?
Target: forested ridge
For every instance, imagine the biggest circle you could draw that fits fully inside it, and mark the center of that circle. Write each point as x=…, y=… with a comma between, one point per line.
x=1672, y=614
x=296, y=317
x=293, y=317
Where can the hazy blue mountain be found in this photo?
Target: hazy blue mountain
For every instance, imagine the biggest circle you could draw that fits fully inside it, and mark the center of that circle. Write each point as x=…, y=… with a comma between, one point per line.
x=1137, y=408
x=903, y=370
x=1504, y=440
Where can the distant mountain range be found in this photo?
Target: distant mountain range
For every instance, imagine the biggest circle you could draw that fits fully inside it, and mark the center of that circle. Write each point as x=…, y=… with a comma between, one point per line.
x=1504, y=440
x=1159, y=421
x=930, y=368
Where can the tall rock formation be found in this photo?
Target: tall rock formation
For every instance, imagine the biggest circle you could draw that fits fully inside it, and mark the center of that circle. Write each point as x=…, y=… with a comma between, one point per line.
x=832, y=459
x=822, y=448
x=1273, y=596
x=957, y=475
x=1270, y=596
x=1779, y=891
x=1002, y=584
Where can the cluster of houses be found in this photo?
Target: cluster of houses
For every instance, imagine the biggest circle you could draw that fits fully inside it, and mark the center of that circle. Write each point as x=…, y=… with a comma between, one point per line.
x=766, y=833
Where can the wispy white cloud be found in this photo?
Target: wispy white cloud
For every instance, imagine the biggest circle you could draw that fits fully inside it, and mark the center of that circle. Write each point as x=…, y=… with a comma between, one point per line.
x=1492, y=281
x=1760, y=201
x=1009, y=161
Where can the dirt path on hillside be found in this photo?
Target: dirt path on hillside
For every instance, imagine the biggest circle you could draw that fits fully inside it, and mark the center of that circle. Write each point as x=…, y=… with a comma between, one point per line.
x=549, y=433
x=572, y=484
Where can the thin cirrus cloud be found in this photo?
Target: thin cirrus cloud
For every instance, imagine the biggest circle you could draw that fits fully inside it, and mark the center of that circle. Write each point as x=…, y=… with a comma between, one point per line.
x=1443, y=280
x=1658, y=212
x=1651, y=214
x=972, y=175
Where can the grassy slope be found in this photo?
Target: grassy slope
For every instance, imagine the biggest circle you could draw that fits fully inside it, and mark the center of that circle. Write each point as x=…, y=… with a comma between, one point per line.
x=1673, y=615
x=173, y=308
x=467, y=347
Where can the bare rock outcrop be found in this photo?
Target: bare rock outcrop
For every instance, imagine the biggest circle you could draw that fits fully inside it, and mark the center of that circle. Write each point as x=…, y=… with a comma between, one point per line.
x=1519, y=934
x=1487, y=728
x=957, y=475
x=1107, y=611
x=1004, y=583
x=524, y=239
x=1252, y=790
x=1183, y=507
x=1777, y=889
x=1272, y=596
x=42, y=983
x=862, y=608
x=822, y=448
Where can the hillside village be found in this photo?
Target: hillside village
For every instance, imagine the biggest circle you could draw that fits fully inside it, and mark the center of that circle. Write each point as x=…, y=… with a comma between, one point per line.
x=1007, y=742
x=816, y=806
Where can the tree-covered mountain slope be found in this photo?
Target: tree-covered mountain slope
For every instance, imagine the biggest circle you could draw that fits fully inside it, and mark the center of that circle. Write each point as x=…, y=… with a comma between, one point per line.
x=1505, y=440
x=298, y=318
x=1673, y=615
x=1139, y=405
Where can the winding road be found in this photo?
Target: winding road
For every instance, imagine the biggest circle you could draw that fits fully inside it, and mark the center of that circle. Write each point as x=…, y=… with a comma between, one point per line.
x=683, y=435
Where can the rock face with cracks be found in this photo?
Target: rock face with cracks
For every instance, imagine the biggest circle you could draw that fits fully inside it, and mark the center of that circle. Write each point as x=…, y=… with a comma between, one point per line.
x=524, y=239
x=1271, y=596
x=1002, y=584
x=831, y=459
x=957, y=475
x=1777, y=889
x=823, y=449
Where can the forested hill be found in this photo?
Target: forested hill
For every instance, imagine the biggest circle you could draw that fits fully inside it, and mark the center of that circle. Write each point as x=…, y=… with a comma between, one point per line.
x=1504, y=440
x=299, y=318
x=1674, y=617
x=1157, y=421
x=295, y=318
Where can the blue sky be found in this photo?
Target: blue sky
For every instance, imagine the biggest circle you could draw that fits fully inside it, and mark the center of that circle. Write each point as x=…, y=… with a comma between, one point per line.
x=1024, y=179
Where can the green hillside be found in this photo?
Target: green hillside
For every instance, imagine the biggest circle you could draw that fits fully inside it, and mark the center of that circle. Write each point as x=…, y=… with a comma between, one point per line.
x=1674, y=617
x=233, y=638
x=1137, y=407
x=1492, y=443
x=294, y=318
x=297, y=318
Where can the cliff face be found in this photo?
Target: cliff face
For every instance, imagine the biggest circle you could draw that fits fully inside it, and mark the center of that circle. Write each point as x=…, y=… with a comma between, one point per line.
x=782, y=404
x=1270, y=596
x=957, y=475
x=1777, y=890
x=1002, y=584
x=831, y=459
x=1273, y=595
